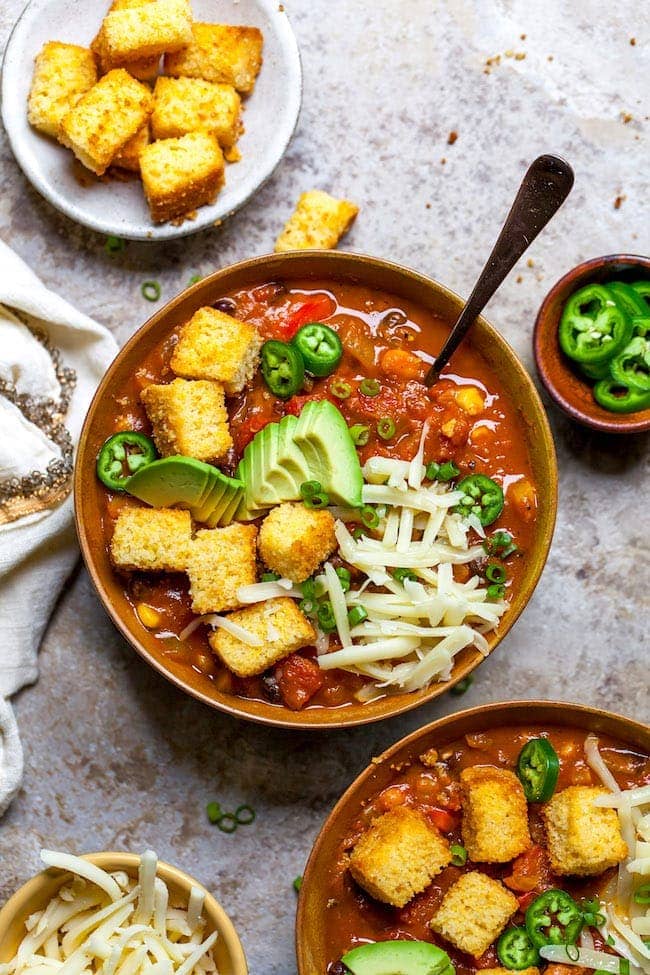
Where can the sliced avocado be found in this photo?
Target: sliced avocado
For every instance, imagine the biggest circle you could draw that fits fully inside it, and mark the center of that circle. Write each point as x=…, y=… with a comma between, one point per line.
x=323, y=436
x=229, y=512
x=212, y=480
x=172, y=480
x=224, y=487
x=279, y=482
x=229, y=501
x=398, y=958
x=290, y=456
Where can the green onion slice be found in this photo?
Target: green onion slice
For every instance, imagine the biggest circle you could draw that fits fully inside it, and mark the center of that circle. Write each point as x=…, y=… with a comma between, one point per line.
x=463, y=685
x=213, y=809
x=360, y=434
x=495, y=573
x=340, y=389
x=245, y=814
x=458, y=855
x=401, y=574
x=114, y=245
x=270, y=576
x=227, y=823
x=151, y=290
x=496, y=591
x=297, y=883
x=370, y=387
x=344, y=578
x=369, y=516
x=357, y=615
x=386, y=428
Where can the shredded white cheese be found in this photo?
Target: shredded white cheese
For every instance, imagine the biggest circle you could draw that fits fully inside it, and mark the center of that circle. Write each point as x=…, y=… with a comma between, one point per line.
x=107, y=924
x=414, y=630
x=216, y=621
x=627, y=922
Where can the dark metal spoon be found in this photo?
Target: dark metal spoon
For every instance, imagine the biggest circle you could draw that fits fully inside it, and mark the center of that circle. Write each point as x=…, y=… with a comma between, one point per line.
x=543, y=190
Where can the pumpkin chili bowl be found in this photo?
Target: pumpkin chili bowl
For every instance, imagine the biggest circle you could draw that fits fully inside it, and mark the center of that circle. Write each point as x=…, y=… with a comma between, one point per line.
x=508, y=837
x=284, y=520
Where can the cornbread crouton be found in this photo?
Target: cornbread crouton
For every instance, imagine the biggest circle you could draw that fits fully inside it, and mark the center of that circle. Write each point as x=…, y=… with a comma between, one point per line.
x=145, y=31
x=188, y=418
x=319, y=220
x=216, y=346
x=144, y=69
x=183, y=105
x=495, y=815
x=221, y=53
x=179, y=175
x=398, y=856
x=128, y=156
x=277, y=628
x=583, y=839
x=105, y=118
x=474, y=912
x=152, y=539
x=294, y=540
x=220, y=561
x=62, y=74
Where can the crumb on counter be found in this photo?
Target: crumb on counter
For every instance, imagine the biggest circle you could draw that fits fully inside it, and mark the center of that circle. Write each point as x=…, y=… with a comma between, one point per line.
x=451, y=138
x=619, y=201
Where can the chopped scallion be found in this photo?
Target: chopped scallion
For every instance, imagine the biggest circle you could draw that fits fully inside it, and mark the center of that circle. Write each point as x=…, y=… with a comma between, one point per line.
x=151, y=290
x=370, y=387
x=340, y=389
x=357, y=615
x=386, y=428
x=270, y=576
x=458, y=855
x=495, y=572
x=462, y=686
x=360, y=434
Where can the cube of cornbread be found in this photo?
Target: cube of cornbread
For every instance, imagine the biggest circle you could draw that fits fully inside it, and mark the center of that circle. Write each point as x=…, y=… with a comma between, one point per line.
x=221, y=53
x=105, y=118
x=295, y=540
x=213, y=345
x=583, y=839
x=474, y=912
x=188, y=418
x=398, y=856
x=146, y=31
x=183, y=105
x=62, y=74
x=128, y=157
x=319, y=220
x=179, y=175
x=144, y=69
x=495, y=814
x=152, y=539
x=276, y=626
x=221, y=560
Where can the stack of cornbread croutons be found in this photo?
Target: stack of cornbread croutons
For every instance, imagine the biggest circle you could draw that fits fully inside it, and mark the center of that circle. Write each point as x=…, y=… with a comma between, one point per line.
x=98, y=101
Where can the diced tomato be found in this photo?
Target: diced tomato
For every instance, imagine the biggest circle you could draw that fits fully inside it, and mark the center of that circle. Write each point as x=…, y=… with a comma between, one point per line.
x=313, y=310
x=445, y=822
x=529, y=870
x=527, y=899
x=298, y=679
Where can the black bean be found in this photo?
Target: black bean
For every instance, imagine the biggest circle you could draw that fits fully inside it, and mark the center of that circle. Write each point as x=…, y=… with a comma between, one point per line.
x=226, y=305
x=271, y=688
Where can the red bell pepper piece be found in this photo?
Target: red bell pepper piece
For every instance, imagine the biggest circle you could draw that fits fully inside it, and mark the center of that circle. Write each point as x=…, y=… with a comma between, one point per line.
x=313, y=310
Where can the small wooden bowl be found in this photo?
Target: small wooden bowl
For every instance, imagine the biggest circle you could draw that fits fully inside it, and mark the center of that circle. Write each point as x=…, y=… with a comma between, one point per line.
x=563, y=383
x=37, y=892
x=311, y=943
x=303, y=265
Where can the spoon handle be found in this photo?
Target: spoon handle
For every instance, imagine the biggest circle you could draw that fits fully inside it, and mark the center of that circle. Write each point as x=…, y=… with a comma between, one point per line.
x=543, y=190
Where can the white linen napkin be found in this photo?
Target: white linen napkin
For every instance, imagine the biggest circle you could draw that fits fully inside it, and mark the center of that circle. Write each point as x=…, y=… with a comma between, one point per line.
x=51, y=360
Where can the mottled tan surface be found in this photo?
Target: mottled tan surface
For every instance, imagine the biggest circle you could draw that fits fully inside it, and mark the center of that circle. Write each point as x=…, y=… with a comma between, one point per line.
x=115, y=756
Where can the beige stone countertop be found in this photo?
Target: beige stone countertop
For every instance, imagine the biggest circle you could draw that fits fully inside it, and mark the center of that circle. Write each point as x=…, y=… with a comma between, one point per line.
x=115, y=756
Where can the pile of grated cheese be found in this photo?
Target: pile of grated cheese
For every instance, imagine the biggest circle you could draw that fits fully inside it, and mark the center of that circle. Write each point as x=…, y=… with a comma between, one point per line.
x=415, y=628
x=107, y=923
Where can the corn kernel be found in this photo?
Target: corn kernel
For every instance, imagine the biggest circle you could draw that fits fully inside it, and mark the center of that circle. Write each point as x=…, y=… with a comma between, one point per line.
x=480, y=433
x=470, y=399
x=148, y=616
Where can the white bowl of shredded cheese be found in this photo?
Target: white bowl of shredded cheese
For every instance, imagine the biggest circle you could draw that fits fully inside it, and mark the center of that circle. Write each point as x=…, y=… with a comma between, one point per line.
x=116, y=914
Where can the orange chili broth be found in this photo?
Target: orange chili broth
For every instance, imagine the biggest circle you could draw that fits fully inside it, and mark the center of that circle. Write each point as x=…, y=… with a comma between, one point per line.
x=356, y=313
x=353, y=916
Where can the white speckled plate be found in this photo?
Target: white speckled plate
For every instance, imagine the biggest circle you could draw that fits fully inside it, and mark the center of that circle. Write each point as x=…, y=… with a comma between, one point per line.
x=119, y=207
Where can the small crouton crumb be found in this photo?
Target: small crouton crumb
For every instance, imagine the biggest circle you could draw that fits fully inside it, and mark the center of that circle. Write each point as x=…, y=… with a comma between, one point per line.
x=522, y=37
x=427, y=206
x=430, y=757
x=220, y=561
x=188, y=418
x=474, y=912
x=530, y=262
x=619, y=201
x=495, y=815
x=583, y=839
x=451, y=138
x=277, y=626
x=213, y=345
x=626, y=117
x=183, y=105
x=550, y=57
x=520, y=56
x=633, y=41
x=443, y=161
x=179, y=175
x=105, y=118
x=319, y=221
x=398, y=856
x=151, y=539
x=128, y=157
x=62, y=74
x=519, y=279
x=221, y=53
x=295, y=540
